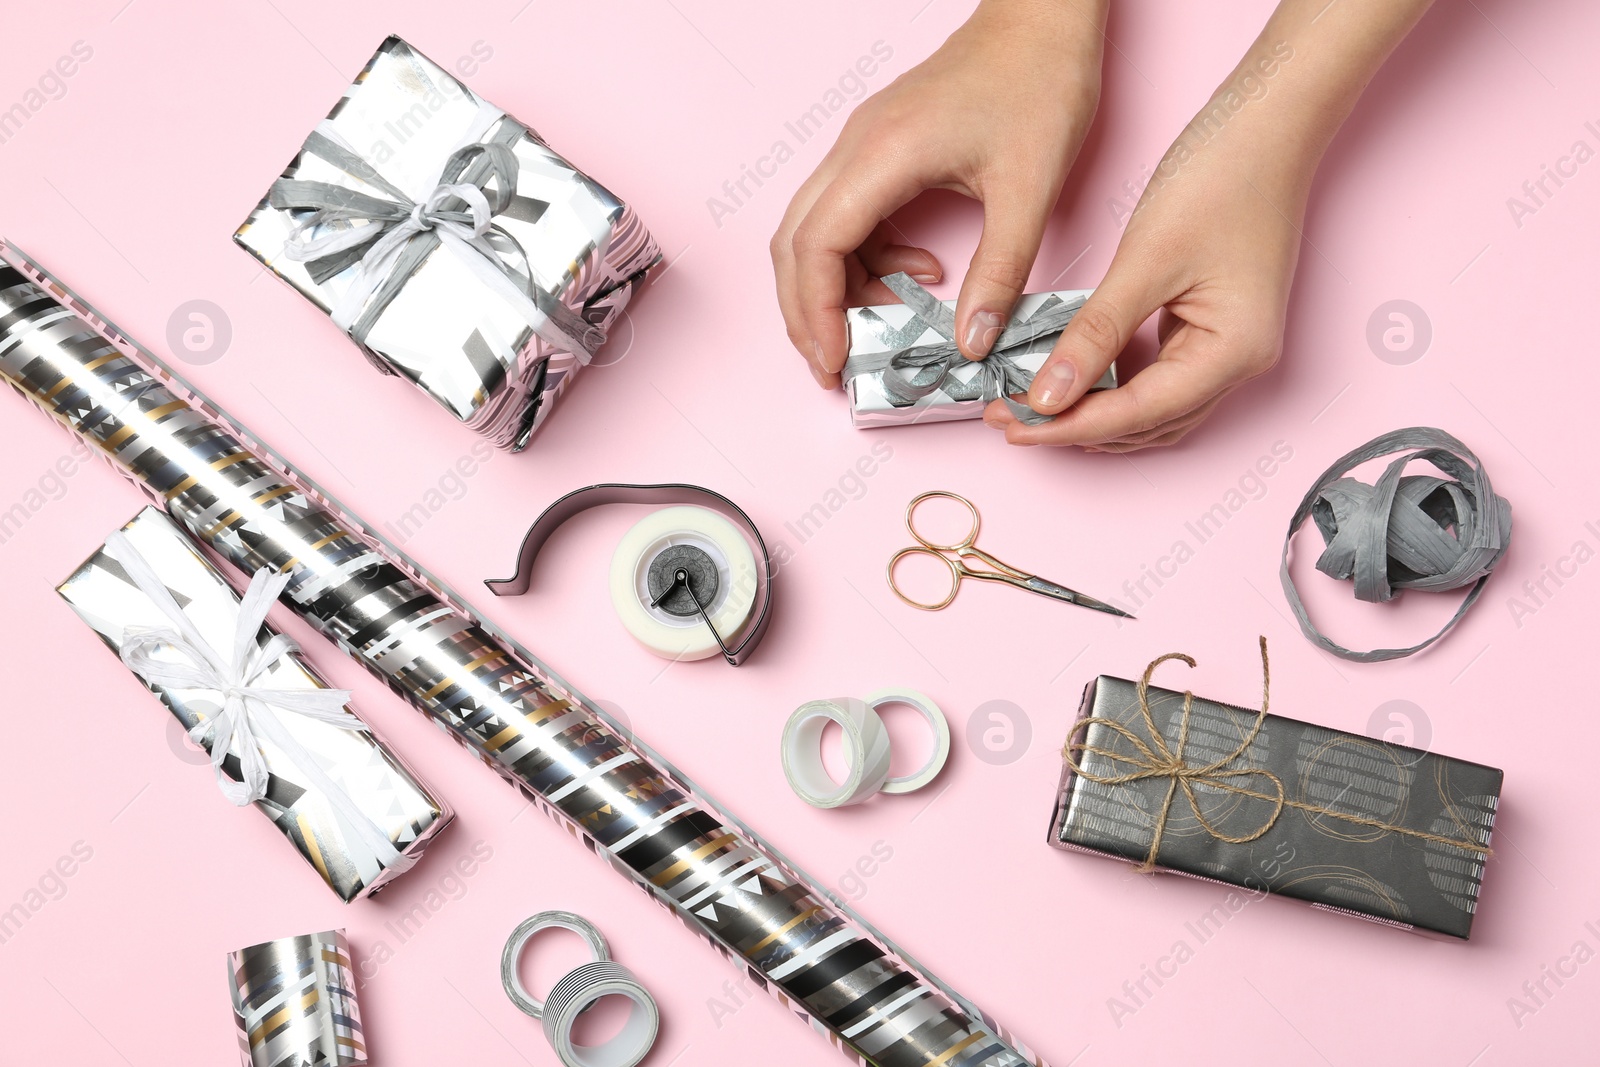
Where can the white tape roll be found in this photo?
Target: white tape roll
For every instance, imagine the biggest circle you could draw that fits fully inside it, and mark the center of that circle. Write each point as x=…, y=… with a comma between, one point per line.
x=577, y=992
x=866, y=748
x=907, y=783
x=683, y=636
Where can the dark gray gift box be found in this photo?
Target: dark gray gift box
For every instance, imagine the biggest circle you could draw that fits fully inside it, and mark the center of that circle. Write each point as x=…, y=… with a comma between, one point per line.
x=1381, y=831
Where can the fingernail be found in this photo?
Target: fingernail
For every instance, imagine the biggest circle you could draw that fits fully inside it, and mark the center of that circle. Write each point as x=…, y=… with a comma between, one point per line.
x=925, y=279
x=1055, y=381
x=816, y=372
x=994, y=422
x=982, y=330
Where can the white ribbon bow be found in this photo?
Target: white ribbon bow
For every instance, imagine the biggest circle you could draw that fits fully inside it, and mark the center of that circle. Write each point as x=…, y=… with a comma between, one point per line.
x=249, y=711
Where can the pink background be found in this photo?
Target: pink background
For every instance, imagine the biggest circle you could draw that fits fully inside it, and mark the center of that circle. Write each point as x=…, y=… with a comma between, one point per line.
x=130, y=184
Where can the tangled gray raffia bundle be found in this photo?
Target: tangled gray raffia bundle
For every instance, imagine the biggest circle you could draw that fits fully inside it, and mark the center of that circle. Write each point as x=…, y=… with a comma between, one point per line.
x=1404, y=531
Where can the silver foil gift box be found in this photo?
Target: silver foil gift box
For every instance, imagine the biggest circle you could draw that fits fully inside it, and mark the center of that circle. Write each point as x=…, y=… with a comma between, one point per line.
x=351, y=808
x=456, y=248
x=903, y=366
x=294, y=1003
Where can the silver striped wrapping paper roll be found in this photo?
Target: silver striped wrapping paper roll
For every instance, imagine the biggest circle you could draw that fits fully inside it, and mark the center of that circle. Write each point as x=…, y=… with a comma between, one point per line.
x=621, y=799
x=294, y=1000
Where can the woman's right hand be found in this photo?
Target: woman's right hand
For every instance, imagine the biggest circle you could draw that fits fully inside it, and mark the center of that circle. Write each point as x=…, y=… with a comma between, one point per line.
x=998, y=113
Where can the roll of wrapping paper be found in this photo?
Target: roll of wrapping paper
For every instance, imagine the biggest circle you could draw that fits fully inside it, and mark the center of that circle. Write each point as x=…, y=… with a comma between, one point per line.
x=245, y=502
x=294, y=1003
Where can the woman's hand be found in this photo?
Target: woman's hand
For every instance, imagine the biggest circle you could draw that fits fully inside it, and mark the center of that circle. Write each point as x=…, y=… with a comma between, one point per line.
x=998, y=113
x=1215, y=238
x=1212, y=245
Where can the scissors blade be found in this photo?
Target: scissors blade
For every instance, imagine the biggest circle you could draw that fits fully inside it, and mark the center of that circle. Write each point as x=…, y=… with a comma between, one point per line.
x=1048, y=588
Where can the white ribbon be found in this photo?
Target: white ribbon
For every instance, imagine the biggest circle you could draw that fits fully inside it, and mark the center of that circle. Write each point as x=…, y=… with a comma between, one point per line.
x=249, y=711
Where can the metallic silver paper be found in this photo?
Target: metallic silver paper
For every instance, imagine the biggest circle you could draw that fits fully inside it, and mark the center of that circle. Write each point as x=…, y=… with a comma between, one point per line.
x=294, y=1002
x=444, y=331
x=1314, y=849
x=377, y=782
x=889, y=328
x=614, y=793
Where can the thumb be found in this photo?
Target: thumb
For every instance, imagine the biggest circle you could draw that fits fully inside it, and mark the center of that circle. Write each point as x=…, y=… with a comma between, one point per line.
x=1013, y=226
x=1094, y=338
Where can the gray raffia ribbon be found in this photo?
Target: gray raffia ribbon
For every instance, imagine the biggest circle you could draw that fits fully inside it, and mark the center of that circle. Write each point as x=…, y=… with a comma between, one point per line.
x=390, y=236
x=909, y=374
x=1405, y=531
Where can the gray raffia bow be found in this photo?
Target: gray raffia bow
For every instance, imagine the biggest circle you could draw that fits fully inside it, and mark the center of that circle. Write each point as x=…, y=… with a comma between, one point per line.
x=1411, y=531
x=477, y=183
x=911, y=373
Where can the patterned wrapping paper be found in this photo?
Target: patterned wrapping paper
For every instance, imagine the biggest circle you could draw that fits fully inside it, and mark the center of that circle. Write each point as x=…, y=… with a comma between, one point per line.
x=294, y=1002
x=891, y=328
x=445, y=332
x=613, y=792
x=378, y=783
x=1334, y=863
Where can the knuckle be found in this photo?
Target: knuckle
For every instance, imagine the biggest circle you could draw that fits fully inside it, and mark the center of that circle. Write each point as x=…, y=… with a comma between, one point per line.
x=1004, y=270
x=808, y=238
x=1097, y=330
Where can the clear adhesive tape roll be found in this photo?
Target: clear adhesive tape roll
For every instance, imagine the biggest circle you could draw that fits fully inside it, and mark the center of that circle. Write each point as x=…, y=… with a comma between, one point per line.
x=577, y=992
x=907, y=783
x=511, y=956
x=866, y=748
x=700, y=531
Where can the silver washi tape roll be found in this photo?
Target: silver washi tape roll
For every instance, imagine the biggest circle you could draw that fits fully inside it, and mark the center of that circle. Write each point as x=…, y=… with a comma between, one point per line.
x=907, y=783
x=866, y=747
x=583, y=987
x=512, y=955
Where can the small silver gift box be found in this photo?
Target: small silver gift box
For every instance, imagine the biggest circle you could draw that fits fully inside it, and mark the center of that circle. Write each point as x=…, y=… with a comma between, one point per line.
x=880, y=332
x=443, y=317
x=379, y=788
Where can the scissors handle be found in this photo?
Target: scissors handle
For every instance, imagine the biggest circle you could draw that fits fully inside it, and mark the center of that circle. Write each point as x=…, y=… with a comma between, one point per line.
x=960, y=545
x=957, y=572
x=1001, y=571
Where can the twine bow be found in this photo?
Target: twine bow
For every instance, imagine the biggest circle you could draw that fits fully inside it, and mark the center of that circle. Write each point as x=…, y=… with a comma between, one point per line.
x=396, y=234
x=909, y=374
x=249, y=711
x=1152, y=757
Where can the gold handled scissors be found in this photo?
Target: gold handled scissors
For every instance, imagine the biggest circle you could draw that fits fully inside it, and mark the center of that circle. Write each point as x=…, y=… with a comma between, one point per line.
x=965, y=549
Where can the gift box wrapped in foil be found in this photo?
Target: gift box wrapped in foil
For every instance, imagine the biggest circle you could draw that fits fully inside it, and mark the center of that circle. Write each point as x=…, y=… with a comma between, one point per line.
x=903, y=366
x=452, y=244
x=1351, y=824
x=294, y=1002
x=353, y=810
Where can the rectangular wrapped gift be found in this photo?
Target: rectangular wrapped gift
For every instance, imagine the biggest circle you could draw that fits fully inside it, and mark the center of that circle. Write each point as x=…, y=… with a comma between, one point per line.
x=452, y=244
x=903, y=366
x=1378, y=830
x=351, y=808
